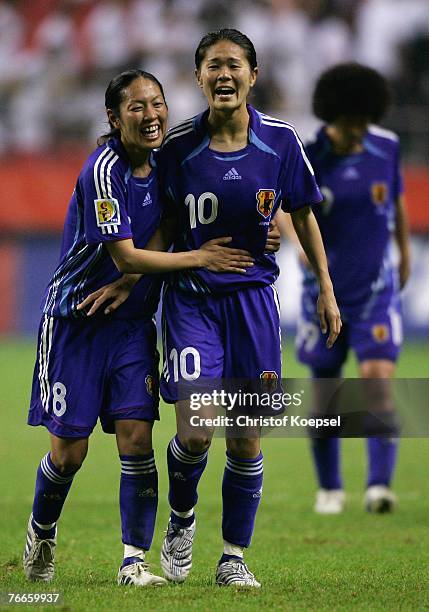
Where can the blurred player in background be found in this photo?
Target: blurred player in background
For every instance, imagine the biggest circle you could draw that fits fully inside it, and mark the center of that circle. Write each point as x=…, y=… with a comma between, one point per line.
x=229, y=169
x=357, y=166
x=102, y=367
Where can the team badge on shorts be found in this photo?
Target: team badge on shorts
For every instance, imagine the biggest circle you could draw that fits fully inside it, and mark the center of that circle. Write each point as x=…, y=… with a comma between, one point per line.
x=269, y=380
x=149, y=384
x=380, y=333
x=108, y=215
x=265, y=202
x=379, y=193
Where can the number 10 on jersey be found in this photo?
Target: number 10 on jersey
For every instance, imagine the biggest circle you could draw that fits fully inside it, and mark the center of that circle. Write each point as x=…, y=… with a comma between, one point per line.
x=197, y=208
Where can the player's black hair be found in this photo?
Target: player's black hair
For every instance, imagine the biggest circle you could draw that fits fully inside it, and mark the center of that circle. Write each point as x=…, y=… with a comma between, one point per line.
x=115, y=94
x=351, y=90
x=234, y=36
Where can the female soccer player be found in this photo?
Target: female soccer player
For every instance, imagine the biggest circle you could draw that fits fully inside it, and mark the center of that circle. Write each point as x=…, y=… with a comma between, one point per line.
x=107, y=367
x=229, y=169
x=357, y=166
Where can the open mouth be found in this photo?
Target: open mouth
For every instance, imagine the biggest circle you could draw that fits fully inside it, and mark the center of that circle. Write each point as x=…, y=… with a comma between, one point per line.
x=151, y=132
x=224, y=93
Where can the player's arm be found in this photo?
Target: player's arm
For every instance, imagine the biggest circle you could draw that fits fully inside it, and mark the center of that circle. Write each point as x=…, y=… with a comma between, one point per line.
x=307, y=230
x=402, y=236
x=114, y=293
x=274, y=235
x=285, y=224
x=213, y=255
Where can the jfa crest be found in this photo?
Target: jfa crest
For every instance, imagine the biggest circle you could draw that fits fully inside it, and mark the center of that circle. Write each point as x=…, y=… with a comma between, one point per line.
x=379, y=193
x=269, y=381
x=107, y=215
x=265, y=202
x=149, y=383
x=380, y=333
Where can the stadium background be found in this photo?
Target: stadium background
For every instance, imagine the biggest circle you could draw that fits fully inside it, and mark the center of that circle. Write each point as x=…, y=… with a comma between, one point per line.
x=56, y=58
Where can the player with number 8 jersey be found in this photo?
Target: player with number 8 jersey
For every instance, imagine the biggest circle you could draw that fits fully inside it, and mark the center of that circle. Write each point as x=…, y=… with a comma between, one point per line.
x=106, y=368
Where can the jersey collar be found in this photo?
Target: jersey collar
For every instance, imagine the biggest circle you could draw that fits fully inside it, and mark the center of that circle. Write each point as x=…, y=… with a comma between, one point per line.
x=201, y=125
x=116, y=145
x=326, y=143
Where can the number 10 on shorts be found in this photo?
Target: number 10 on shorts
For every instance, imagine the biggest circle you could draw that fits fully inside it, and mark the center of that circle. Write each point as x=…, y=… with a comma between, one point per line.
x=186, y=364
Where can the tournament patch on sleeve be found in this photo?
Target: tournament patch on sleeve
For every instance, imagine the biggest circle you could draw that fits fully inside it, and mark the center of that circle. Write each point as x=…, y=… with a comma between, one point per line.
x=108, y=215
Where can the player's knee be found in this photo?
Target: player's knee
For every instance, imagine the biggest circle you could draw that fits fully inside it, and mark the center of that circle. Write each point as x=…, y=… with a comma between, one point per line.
x=67, y=463
x=134, y=437
x=245, y=448
x=377, y=369
x=196, y=443
x=68, y=455
x=385, y=424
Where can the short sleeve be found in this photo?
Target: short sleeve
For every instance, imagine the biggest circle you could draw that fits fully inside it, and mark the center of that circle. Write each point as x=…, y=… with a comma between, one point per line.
x=103, y=193
x=298, y=184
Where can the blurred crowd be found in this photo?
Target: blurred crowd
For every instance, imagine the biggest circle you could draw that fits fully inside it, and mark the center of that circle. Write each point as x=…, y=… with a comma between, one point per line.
x=57, y=56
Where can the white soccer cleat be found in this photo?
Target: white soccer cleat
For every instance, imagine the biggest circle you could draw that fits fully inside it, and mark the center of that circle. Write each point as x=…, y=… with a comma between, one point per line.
x=138, y=574
x=176, y=552
x=330, y=501
x=379, y=499
x=39, y=556
x=235, y=573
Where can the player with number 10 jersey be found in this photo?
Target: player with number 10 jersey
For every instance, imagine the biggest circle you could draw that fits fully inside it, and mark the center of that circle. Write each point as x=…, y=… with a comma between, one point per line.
x=228, y=169
x=236, y=194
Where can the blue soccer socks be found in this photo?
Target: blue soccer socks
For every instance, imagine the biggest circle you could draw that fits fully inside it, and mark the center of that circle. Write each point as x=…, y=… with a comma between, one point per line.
x=138, y=499
x=326, y=454
x=185, y=469
x=241, y=494
x=382, y=453
x=51, y=491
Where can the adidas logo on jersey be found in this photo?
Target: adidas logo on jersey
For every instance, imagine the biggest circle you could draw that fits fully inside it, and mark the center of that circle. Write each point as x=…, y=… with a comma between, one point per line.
x=350, y=174
x=147, y=200
x=232, y=175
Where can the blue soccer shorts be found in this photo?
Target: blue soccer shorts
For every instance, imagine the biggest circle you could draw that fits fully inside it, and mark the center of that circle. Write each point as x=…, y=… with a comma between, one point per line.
x=372, y=334
x=94, y=368
x=226, y=336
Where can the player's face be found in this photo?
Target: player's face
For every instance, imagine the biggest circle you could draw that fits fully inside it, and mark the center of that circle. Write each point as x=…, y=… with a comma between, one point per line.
x=351, y=132
x=225, y=76
x=142, y=116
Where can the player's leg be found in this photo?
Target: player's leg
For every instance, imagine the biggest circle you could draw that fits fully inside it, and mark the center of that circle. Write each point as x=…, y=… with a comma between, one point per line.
x=377, y=341
x=325, y=447
x=251, y=351
x=192, y=351
x=241, y=495
x=138, y=495
x=129, y=411
x=326, y=365
x=65, y=399
x=186, y=461
x=53, y=482
x=382, y=450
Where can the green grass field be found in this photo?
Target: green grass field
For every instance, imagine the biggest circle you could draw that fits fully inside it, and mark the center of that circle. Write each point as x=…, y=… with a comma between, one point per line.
x=305, y=561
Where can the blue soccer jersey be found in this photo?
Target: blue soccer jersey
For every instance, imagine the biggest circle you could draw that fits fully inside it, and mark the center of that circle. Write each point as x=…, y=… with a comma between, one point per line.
x=357, y=218
x=233, y=194
x=108, y=204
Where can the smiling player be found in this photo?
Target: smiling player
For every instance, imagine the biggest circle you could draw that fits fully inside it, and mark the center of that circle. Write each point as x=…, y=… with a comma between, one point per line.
x=102, y=367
